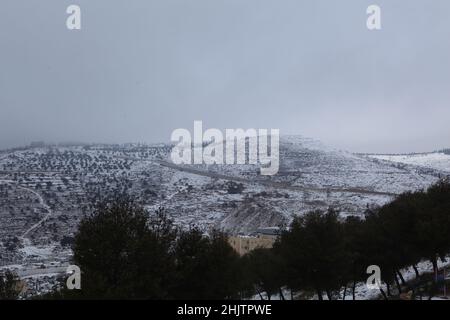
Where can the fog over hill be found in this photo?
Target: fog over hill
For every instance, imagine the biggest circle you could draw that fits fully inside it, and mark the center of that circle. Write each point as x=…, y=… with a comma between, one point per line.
x=308, y=67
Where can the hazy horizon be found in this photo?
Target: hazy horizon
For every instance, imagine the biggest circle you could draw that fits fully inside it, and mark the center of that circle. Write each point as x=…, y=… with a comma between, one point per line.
x=93, y=143
x=137, y=71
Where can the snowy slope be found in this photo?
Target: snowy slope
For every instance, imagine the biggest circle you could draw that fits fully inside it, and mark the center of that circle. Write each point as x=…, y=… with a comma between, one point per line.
x=434, y=160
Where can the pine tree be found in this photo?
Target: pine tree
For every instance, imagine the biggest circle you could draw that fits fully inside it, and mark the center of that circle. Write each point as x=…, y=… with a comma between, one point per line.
x=314, y=251
x=9, y=286
x=206, y=267
x=265, y=269
x=123, y=254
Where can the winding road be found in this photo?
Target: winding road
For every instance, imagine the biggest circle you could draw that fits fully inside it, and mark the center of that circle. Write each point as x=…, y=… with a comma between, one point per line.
x=41, y=202
x=267, y=183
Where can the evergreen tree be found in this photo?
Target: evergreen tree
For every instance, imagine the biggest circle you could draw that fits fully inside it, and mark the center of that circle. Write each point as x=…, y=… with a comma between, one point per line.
x=265, y=269
x=206, y=267
x=9, y=286
x=122, y=254
x=314, y=251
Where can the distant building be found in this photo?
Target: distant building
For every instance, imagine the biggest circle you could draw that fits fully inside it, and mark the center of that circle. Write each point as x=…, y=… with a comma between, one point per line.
x=263, y=238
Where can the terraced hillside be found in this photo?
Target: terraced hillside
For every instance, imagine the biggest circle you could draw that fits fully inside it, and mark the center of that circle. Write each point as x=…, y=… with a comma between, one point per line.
x=45, y=191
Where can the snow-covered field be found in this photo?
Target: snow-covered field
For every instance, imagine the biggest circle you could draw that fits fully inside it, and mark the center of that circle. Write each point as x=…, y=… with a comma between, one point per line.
x=435, y=160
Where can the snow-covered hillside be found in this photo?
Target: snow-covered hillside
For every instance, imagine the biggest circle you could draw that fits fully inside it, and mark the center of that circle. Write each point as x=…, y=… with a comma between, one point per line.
x=45, y=191
x=435, y=160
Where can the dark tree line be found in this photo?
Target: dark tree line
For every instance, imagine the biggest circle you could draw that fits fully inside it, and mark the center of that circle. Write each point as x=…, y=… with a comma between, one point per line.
x=124, y=253
x=324, y=254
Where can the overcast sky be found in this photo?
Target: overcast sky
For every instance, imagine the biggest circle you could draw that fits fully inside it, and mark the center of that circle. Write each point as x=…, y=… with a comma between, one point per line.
x=140, y=69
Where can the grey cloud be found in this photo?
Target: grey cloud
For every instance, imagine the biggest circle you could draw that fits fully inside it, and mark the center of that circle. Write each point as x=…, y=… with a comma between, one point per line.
x=139, y=69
